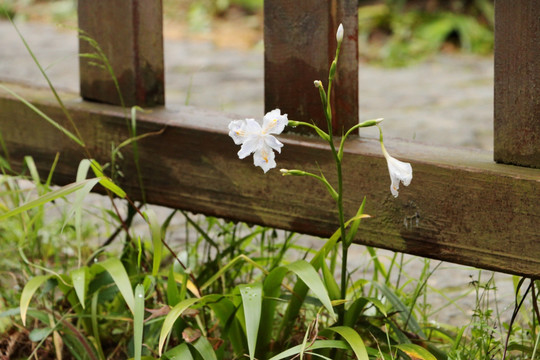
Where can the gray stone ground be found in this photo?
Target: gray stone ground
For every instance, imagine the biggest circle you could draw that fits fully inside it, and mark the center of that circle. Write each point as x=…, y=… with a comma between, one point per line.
x=446, y=101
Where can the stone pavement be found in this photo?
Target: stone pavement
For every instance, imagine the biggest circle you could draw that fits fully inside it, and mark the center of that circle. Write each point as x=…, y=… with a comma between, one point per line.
x=446, y=101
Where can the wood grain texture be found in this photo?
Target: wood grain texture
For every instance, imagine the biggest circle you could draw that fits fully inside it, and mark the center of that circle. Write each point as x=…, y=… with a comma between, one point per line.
x=460, y=207
x=300, y=44
x=130, y=33
x=517, y=82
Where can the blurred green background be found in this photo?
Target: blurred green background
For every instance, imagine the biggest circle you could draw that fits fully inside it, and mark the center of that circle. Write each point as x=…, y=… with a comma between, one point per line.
x=391, y=32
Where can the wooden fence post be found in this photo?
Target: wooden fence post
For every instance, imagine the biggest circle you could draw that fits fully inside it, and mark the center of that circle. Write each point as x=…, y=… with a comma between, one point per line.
x=130, y=33
x=517, y=82
x=300, y=43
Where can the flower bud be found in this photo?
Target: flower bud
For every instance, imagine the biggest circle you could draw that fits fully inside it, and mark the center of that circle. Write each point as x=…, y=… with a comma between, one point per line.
x=368, y=123
x=285, y=172
x=339, y=33
x=317, y=83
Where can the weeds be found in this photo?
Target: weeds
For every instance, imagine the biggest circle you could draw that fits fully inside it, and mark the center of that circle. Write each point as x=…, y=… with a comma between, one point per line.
x=221, y=290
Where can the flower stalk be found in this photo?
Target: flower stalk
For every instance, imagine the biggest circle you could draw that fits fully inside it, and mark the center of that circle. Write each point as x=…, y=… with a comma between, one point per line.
x=260, y=141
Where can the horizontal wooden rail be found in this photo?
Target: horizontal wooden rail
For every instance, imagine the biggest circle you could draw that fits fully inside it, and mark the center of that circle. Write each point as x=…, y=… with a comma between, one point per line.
x=460, y=207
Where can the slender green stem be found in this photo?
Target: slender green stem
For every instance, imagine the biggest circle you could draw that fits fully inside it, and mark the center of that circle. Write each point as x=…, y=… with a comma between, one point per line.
x=337, y=158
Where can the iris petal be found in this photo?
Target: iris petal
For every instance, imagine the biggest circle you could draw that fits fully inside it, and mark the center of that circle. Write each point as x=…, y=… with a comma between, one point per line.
x=250, y=146
x=237, y=131
x=265, y=158
x=274, y=143
x=274, y=122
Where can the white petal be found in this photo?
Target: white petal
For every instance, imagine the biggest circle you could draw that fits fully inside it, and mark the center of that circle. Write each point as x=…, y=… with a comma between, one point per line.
x=265, y=158
x=250, y=145
x=272, y=142
x=252, y=127
x=274, y=122
x=400, y=169
x=399, y=172
x=237, y=131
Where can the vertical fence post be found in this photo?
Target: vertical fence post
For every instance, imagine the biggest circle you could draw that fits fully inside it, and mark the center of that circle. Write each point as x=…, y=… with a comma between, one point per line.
x=517, y=82
x=130, y=33
x=300, y=43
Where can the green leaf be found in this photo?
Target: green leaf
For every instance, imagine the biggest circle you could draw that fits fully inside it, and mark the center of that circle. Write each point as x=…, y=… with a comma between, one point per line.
x=416, y=351
x=78, y=203
x=50, y=196
x=31, y=165
x=306, y=272
x=252, y=303
x=171, y=318
x=356, y=223
x=138, y=321
x=225, y=311
x=318, y=344
x=330, y=282
x=78, y=277
x=105, y=181
x=227, y=266
x=28, y=291
x=173, y=297
x=120, y=277
x=205, y=349
x=180, y=352
x=39, y=334
x=353, y=339
x=155, y=230
x=82, y=172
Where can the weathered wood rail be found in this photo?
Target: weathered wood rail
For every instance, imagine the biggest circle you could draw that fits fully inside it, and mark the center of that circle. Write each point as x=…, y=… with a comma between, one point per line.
x=461, y=206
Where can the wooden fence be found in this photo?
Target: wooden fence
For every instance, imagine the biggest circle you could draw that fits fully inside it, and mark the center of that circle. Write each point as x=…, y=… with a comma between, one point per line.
x=461, y=207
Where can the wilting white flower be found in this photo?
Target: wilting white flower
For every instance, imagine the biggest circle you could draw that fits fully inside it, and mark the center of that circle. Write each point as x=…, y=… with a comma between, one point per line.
x=258, y=140
x=399, y=171
x=339, y=33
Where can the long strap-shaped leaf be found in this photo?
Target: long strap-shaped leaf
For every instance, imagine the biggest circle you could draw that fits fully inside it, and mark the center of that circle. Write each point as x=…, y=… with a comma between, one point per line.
x=318, y=344
x=138, y=321
x=50, y=196
x=353, y=339
x=120, y=277
x=252, y=304
x=306, y=272
x=171, y=318
x=28, y=291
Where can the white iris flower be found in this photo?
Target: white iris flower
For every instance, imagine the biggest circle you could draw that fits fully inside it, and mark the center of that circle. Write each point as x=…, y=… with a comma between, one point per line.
x=258, y=140
x=399, y=171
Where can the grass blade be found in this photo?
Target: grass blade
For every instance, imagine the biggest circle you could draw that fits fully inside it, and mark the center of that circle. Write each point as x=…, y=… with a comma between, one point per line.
x=78, y=276
x=306, y=272
x=28, y=291
x=171, y=318
x=353, y=339
x=138, y=321
x=120, y=277
x=180, y=352
x=318, y=344
x=205, y=349
x=105, y=181
x=155, y=230
x=416, y=351
x=252, y=303
x=66, y=132
x=50, y=196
